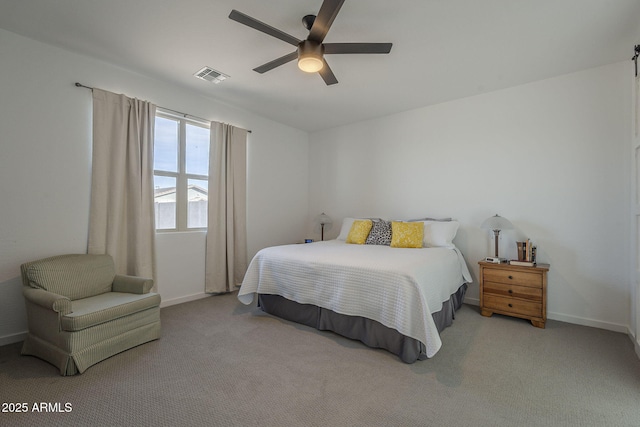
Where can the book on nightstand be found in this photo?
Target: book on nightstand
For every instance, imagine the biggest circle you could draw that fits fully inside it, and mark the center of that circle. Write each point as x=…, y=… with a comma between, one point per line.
x=522, y=263
x=526, y=254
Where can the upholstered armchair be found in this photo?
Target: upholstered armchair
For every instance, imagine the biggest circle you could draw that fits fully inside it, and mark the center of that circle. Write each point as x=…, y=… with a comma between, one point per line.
x=80, y=312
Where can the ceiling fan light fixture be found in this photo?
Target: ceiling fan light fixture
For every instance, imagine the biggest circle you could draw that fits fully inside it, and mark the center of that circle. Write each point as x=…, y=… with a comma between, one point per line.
x=310, y=56
x=310, y=52
x=310, y=64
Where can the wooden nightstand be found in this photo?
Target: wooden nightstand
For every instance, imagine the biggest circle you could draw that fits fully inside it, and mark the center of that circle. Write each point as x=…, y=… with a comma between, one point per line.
x=514, y=291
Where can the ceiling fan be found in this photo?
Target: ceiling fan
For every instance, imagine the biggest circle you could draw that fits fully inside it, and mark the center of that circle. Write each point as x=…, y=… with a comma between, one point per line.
x=311, y=51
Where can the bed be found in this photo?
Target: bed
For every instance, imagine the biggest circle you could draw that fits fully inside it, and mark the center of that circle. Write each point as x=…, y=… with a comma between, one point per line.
x=394, y=298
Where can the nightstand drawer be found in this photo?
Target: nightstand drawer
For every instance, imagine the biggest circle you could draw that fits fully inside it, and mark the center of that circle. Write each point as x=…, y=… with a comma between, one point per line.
x=514, y=277
x=513, y=291
x=510, y=305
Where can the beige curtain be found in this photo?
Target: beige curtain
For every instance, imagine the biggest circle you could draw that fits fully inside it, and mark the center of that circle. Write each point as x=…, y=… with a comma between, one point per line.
x=226, y=257
x=121, y=221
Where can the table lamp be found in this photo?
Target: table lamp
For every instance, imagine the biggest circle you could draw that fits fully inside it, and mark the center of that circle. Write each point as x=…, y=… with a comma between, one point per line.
x=496, y=223
x=323, y=219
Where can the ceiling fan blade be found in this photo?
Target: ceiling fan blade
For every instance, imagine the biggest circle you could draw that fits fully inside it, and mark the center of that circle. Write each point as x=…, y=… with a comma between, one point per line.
x=327, y=75
x=332, y=48
x=276, y=62
x=328, y=12
x=261, y=26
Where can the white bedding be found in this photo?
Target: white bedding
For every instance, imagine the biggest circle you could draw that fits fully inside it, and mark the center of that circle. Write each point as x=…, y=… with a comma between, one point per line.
x=400, y=288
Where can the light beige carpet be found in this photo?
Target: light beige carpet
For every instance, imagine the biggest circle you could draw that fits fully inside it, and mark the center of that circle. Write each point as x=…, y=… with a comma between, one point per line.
x=220, y=363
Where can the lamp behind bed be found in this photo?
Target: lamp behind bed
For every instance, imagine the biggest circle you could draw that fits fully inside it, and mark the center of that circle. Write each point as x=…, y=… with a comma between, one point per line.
x=324, y=220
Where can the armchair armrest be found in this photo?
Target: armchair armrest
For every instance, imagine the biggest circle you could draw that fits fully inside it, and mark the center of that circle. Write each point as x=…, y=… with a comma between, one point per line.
x=49, y=300
x=131, y=284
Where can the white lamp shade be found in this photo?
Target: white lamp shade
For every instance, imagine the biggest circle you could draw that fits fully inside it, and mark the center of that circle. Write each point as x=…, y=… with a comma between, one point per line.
x=324, y=219
x=497, y=222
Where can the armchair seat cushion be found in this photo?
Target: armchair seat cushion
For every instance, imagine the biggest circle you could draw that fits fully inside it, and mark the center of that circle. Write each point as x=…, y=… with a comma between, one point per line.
x=92, y=311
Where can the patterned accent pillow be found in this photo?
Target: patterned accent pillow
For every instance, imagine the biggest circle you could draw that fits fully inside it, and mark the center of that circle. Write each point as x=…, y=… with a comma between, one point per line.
x=359, y=231
x=406, y=234
x=380, y=233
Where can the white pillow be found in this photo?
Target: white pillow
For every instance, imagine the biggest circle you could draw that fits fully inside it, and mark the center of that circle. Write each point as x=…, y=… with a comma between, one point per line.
x=346, y=227
x=439, y=234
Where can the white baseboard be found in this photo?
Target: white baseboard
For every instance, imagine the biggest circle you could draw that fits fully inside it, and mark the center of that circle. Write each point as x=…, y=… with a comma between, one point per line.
x=572, y=319
x=13, y=338
x=472, y=301
x=636, y=343
x=174, y=301
x=615, y=327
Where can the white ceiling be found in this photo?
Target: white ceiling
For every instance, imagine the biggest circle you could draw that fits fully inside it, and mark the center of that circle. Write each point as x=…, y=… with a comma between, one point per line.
x=442, y=49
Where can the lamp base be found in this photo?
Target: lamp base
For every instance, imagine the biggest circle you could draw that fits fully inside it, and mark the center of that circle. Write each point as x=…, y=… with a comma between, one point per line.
x=494, y=259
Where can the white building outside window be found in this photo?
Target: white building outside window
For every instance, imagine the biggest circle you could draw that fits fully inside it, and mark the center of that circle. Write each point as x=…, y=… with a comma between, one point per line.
x=181, y=167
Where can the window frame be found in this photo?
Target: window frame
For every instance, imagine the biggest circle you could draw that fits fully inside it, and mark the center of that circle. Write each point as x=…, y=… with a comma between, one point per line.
x=181, y=176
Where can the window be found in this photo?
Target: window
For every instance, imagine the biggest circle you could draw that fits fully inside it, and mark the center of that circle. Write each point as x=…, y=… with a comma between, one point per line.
x=180, y=172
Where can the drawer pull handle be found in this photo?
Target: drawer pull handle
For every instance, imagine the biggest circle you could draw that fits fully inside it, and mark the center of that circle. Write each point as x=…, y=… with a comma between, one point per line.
x=510, y=277
x=510, y=291
x=510, y=305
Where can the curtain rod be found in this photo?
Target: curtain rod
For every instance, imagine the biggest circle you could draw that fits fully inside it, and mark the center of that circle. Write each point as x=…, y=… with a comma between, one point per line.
x=185, y=115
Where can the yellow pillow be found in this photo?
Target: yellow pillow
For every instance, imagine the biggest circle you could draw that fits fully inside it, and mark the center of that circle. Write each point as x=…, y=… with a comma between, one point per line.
x=359, y=231
x=406, y=234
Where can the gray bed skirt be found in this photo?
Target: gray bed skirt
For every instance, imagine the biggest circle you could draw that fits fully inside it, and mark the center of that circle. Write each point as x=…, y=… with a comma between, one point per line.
x=368, y=331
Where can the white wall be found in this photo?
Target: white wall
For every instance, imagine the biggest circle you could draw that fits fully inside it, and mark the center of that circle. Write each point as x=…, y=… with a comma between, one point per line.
x=45, y=169
x=634, y=244
x=551, y=156
x=568, y=136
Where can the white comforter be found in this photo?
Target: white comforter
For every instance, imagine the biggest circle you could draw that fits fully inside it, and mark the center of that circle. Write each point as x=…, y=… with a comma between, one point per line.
x=397, y=287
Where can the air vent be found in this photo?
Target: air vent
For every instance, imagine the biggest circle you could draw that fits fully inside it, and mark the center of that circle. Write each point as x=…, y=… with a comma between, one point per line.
x=211, y=75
